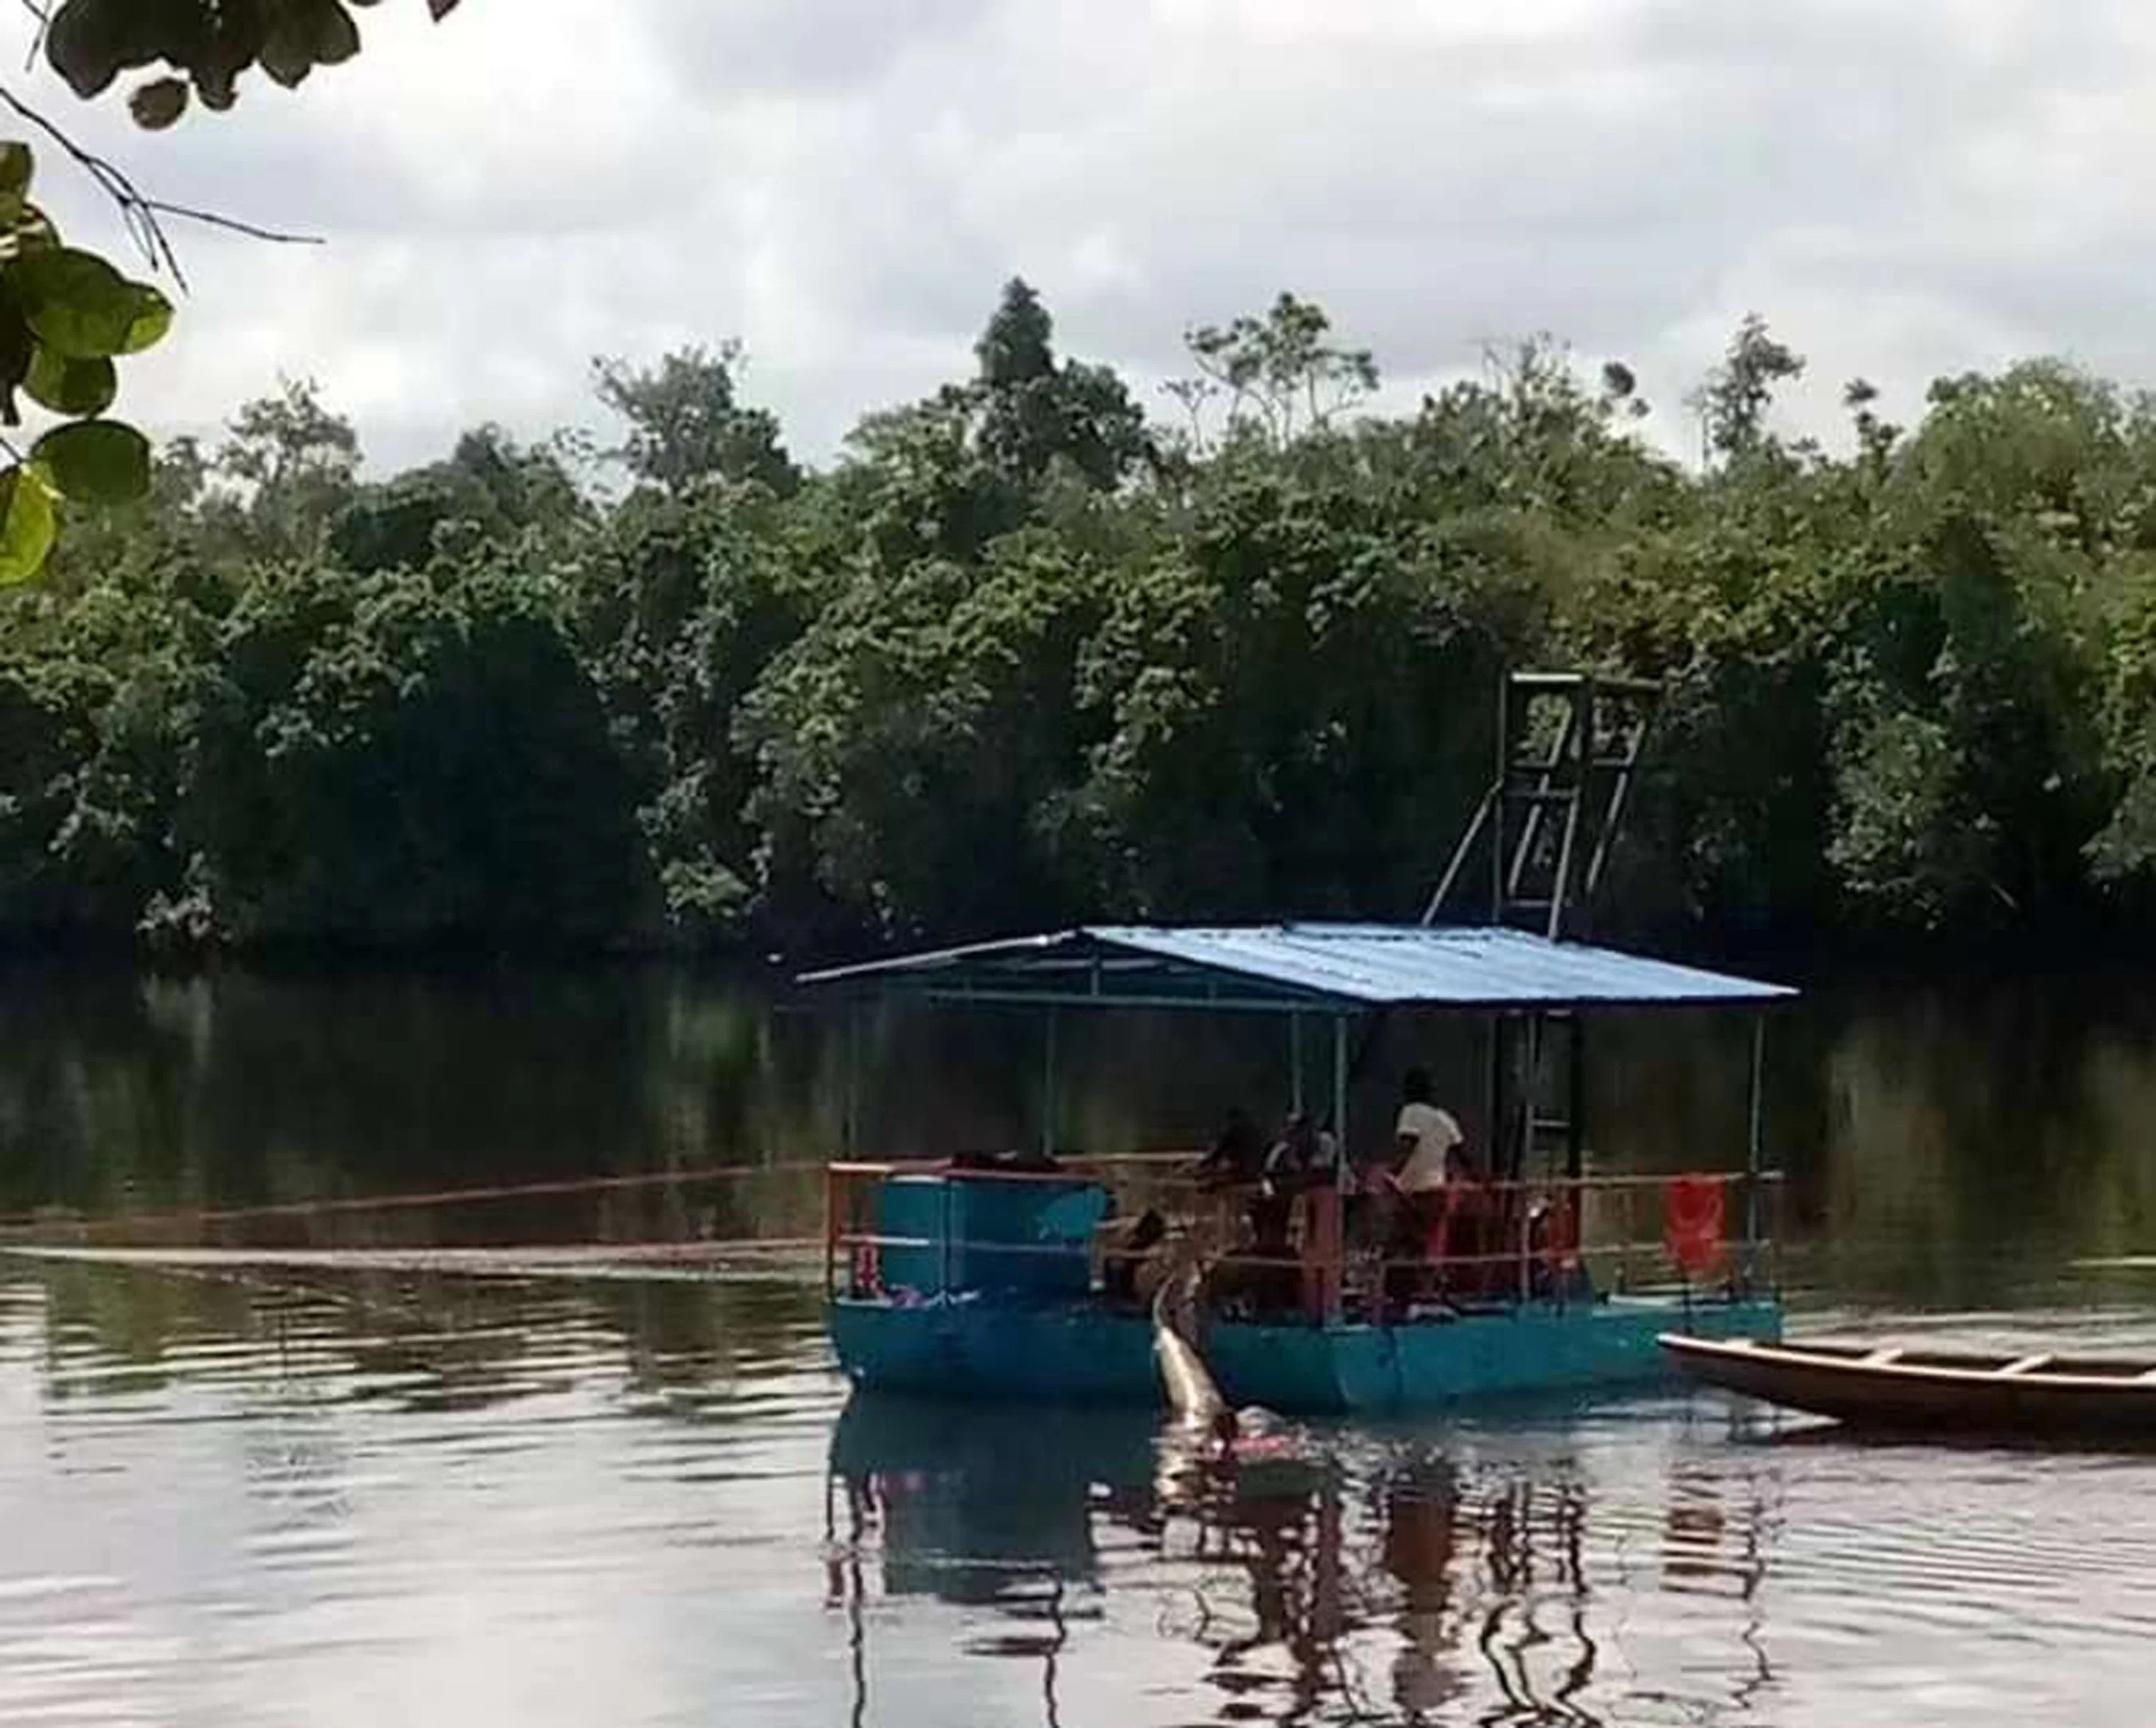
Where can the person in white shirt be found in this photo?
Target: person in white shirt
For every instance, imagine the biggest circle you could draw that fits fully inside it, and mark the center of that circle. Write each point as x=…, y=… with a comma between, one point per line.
x=1429, y=1144
x=1424, y=1136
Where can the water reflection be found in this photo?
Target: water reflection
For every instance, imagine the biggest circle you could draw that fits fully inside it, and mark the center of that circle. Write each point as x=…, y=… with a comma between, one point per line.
x=413, y=1342
x=1943, y=1143
x=1399, y=1582
x=1422, y=1526
x=399, y=1493
x=485, y=1502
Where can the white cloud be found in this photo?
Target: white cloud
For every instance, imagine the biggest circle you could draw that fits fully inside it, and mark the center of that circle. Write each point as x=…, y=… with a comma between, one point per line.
x=845, y=183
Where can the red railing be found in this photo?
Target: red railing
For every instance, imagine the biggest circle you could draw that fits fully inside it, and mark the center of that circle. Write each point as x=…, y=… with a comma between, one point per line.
x=1529, y=1238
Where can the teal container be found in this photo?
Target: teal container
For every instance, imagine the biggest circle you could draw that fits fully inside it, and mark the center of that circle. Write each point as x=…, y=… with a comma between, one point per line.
x=986, y=1236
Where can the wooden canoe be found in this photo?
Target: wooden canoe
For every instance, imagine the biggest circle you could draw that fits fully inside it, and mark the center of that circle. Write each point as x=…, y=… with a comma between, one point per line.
x=1916, y=1391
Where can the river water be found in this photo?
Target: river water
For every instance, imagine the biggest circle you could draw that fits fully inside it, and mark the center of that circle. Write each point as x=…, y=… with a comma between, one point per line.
x=264, y=1487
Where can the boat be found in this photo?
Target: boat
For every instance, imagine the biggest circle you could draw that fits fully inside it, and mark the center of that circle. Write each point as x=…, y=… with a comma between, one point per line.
x=1887, y=1388
x=1015, y=1275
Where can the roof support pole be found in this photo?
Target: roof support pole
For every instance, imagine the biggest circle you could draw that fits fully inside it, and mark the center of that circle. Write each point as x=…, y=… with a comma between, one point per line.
x=1575, y=1101
x=850, y=1126
x=1294, y=1061
x=1331, y=1197
x=1755, y=1145
x=1497, y=805
x=1048, y=1086
x=1493, y=1099
x=1340, y=1084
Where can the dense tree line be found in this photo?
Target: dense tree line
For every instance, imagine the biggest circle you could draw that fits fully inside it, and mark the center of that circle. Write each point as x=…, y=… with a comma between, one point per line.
x=1024, y=653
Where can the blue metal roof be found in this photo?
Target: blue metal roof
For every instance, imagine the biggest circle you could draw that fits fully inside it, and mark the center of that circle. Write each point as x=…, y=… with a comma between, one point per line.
x=1282, y=966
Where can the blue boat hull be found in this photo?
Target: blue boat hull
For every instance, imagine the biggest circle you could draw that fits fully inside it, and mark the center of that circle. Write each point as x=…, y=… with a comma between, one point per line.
x=1079, y=1352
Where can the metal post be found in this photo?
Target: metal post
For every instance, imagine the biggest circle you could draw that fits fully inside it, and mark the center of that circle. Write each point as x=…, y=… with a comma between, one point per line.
x=1460, y=852
x=1531, y=1091
x=1294, y=1061
x=830, y=1233
x=943, y=1238
x=1575, y=1103
x=1335, y=1244
x=1519, y=1200
x=1497, y=805
x=850, y=1130
x=1340, y=1090
x=1493, y=1099
x=1047, y=1088
x=1755, y=1144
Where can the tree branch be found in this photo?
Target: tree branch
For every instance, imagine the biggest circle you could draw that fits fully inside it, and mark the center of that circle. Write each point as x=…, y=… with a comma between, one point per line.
x=233, y=224
x=44, y=18
x=136, y=212
x=139, y=212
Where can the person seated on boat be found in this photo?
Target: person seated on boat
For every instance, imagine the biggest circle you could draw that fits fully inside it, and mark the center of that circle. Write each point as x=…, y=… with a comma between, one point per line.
x=1030, y=1161
x=1132, y=1256
x=1238, y=1156
x=1303, y=1156
x=1302, y=1159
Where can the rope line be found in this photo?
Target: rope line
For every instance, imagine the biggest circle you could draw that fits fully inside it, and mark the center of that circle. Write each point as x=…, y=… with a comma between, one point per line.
x=413, y=1199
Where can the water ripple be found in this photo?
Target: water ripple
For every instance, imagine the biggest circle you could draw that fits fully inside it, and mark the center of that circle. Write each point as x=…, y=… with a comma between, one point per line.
x=490, y=1501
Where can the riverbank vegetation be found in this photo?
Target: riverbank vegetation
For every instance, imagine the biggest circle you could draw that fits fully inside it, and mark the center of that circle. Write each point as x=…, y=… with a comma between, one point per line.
x=1027, y=652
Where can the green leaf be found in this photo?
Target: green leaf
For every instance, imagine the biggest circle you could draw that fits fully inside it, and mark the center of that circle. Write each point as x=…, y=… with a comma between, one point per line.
x=78, y=305
x=26, y=524
x=286, y=58
x=74, y=301
x=69, y=386
x=159, y=103
x=87, y=42
x=335, y=37
x=28, y=229
x=96, y=461
x=16, y=163
x=305, y=34
x=17, y=347
x=153, y=317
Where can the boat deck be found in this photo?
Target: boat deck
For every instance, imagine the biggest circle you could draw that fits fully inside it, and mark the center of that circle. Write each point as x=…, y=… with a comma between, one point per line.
x=1083, y=1352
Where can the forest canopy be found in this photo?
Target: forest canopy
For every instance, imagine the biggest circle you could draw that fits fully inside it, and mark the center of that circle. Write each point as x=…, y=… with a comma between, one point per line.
x=1026, y=653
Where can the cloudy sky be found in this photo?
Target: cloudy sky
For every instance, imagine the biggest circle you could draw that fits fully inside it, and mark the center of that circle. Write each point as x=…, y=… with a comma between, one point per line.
x=1904, y=188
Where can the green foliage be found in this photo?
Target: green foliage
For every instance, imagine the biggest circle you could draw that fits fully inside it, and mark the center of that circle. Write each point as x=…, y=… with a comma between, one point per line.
x=913, y=744
x=79, y=307
x=26, y=523
x=683, y=604
x=96, y=461
x=1035, y=412
x=1017, y=658
x=685, y=425
x=295, y=460
x=208, y=44
x=416, y=758
x=65, y=316
x=1733, y=401
x=68, y=385
x=1293, y=694
x=490, y=490
x=1277, y=375
x=65, y=313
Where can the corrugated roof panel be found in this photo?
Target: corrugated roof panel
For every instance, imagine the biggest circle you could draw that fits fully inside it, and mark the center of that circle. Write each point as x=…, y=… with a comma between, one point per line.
x=1373, y=965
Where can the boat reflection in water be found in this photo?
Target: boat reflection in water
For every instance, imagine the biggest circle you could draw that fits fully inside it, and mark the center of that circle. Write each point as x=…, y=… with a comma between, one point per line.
x=1374, y=1576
